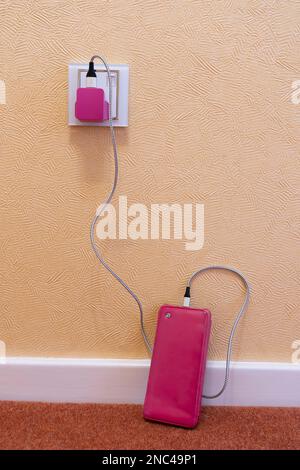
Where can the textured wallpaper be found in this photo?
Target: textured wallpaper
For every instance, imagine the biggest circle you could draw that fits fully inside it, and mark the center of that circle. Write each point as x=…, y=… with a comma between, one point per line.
x=211, y=121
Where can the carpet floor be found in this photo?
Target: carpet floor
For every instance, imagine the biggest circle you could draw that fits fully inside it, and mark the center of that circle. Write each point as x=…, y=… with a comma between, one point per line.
x=67, y=426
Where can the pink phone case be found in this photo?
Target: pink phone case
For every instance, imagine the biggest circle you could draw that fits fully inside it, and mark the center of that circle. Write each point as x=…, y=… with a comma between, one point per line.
x=178, y=365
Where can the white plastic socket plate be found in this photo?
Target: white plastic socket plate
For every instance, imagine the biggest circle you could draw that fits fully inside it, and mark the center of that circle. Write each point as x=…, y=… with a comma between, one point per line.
x=120, y=88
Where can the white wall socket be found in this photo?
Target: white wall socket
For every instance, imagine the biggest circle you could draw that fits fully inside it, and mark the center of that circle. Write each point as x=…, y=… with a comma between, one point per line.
x=120, y=89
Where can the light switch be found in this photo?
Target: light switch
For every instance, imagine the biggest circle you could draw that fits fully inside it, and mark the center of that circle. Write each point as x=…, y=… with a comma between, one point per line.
x=120, y=88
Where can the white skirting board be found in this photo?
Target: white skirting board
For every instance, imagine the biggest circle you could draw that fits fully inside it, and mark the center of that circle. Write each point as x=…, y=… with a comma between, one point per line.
x=124, y=381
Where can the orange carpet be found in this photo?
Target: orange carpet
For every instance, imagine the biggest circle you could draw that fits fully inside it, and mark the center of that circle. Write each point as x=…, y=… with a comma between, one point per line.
x=67, y=426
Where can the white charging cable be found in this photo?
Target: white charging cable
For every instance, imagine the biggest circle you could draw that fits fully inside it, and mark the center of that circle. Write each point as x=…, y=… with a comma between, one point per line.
x=102, y=208
x=242, y=311
x=107, y=201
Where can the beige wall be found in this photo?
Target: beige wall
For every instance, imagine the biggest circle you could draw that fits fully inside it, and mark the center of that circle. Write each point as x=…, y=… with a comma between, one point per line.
x=211, y=121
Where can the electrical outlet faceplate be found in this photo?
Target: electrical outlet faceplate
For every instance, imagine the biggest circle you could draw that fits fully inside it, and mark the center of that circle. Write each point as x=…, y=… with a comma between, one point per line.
x=120, y=88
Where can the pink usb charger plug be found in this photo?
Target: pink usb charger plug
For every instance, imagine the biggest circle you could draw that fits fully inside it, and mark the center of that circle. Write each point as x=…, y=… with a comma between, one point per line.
x=90, y=101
